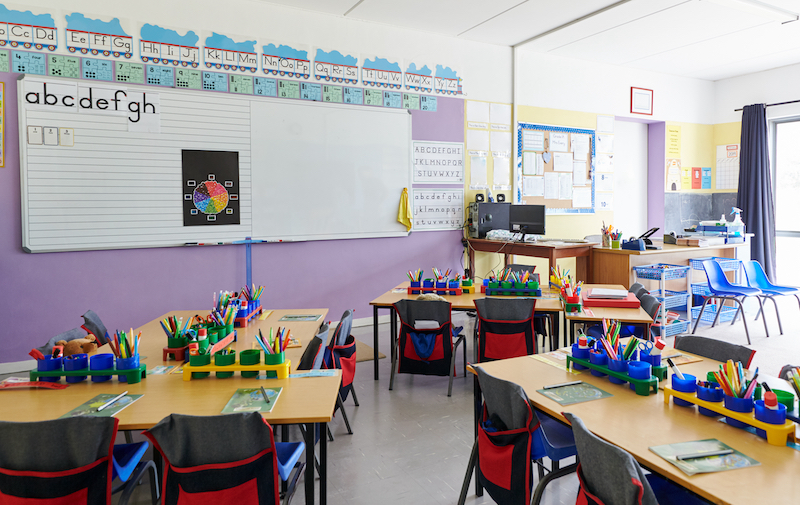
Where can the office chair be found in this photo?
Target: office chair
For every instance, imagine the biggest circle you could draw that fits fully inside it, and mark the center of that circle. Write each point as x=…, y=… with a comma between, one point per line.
x=714, y=349
x=425, y=342
x=221, y=459
x=504, y=328
x=610, y=476
x=757, y=278
x=722, y=289
x=510, y=436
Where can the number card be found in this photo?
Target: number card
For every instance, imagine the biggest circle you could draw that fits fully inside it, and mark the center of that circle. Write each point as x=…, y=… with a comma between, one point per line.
x=427, y=103
x=410, y=101
x=215, y=81
x=4, y=65
x=392, y=99
x=160, y=76
x=331, y=93
x=129, y=72
x=354, y=96
x=288, y=89
x=188, y=78
x=242, y=84
x=63, y=66
x=98, y=70
x=373, y=97
x=28, y=63
x=263, y=86
x=311, y=91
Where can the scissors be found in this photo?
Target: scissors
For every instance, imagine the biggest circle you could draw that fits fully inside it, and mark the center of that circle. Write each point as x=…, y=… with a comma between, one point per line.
x=645, y=346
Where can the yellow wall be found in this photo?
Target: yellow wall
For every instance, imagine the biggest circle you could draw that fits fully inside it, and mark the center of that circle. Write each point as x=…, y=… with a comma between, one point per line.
x=725, y=133
x=697, y=149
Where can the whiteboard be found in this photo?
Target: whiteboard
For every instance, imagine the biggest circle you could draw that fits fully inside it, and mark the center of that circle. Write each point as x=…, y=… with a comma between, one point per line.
x=328, y=171
x=114, y=188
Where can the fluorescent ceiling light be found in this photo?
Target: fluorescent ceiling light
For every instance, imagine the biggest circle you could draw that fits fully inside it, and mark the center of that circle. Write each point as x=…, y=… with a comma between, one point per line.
x=759, y=8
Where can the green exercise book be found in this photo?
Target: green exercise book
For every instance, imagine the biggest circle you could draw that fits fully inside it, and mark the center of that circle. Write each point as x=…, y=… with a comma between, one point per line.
x=703, y=464
x=251, y=400
x=90, y=408
x=574, y=393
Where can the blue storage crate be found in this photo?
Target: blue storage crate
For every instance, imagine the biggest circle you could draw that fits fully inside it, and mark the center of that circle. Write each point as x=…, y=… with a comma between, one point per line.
x=711, y=312
x=655, y=271
x=727, y=264
x=674, y=298
x=674, y=328
x=701, y=288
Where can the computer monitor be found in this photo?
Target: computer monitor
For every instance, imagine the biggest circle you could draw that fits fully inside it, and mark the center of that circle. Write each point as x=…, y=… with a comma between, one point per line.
x=526, y=219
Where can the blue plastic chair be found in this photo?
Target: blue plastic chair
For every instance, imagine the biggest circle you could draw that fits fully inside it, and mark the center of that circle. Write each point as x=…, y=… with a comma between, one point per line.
x=127, y=465
x=288, y=455
x=757, y=278
x=722, y=289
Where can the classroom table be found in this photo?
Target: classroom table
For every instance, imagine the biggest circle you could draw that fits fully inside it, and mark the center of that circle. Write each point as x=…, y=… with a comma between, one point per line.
x=306, y=401
x=550, y=250
x=466, y=301
x=636, y=317
x=636, y=423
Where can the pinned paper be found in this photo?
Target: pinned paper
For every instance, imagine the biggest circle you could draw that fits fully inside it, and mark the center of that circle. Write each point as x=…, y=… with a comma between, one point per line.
x=559, y=141
x=562, y=162
x=478, y=173
x=533, y=186
x=581, y=197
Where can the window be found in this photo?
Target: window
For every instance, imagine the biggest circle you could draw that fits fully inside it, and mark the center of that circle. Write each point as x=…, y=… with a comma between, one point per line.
x=786, y=172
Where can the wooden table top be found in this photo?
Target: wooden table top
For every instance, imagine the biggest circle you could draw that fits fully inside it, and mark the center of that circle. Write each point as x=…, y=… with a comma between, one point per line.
x=666, y=249
x=637, y=315
x=635, y=423
x=464, y=301
x=500, y=245
x=303, y=400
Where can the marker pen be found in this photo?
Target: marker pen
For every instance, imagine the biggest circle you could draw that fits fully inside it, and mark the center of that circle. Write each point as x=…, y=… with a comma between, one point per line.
x=675, y=369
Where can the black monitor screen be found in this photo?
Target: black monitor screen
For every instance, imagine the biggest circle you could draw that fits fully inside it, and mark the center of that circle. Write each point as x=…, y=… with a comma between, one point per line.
x=526, y=219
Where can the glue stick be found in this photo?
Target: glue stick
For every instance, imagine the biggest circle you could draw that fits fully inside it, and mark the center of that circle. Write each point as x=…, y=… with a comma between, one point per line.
x=583, y=342
x=658, y=347
x=202, y=334
x=771, y=400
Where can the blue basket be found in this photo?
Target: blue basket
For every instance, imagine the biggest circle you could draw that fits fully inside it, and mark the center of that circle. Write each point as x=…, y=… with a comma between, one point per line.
x=674, y=328
x=655, y=272
x=711, y=312
x=674, y=298
x=701, y=288
x=727, y=264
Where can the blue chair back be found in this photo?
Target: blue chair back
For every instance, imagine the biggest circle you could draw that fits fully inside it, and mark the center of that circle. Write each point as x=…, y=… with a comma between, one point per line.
x=756, y=277
x=719, y=284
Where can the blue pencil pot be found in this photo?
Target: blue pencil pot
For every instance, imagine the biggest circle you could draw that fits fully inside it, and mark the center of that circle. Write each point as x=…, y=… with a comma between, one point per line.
x=101, y=362
x=598, y=358
x=770, y=416
x=638, y=370
x=617, y=365
x=49, y=364
x=686, y=385
x=453, y=285
x=441, y=287
x=713, y=393
x=579, y=353
x=653, y=359
x=127, y=364
x=427, y=283
x=415, y=284
x=76, y=362
x=738, y=405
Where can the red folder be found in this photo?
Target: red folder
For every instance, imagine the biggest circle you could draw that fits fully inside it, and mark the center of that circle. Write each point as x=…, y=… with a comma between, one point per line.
x=631, y=302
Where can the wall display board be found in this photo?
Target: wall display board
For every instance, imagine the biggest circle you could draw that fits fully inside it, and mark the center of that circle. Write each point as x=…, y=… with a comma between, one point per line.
x=555, y=167
x=102, y=167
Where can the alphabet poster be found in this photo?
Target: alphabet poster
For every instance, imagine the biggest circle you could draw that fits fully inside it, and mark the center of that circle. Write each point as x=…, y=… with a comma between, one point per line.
x=210, y=187
x=438, y=209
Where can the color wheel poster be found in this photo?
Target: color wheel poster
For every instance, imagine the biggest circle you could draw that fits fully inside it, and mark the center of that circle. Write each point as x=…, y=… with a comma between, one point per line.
x=210, y=187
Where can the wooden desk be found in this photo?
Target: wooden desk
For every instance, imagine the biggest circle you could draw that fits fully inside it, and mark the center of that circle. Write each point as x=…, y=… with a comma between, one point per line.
x=615, y=266
x=635, y=423
x=550, y=250
x=637, y=317
x=303, y=400
x=466, y=301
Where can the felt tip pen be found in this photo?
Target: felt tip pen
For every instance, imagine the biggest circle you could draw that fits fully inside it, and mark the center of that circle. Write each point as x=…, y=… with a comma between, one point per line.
x=553, y=386
x=675, y=369
x=111, y=401
x=698, y=455
x=264, y=394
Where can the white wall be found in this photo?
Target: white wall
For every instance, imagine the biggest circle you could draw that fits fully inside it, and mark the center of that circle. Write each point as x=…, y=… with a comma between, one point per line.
x=770, y=86
x=484, y=68
x=630, y=178
x=544, y=80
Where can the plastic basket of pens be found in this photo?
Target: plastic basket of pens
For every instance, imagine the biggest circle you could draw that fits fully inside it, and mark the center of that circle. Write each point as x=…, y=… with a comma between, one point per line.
x=656, y=271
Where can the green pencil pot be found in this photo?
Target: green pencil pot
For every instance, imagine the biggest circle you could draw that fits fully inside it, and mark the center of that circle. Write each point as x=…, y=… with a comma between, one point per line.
x=228, y=331
x=250, y=357
x=466, y=283
x=494, y=285
x=785, y=398
x=533, y=284
x=216, y=333
x=224, y=360
x=203, y=345
x=177, y=343
x=274, y=359
x=200, y=360
x=506, y=285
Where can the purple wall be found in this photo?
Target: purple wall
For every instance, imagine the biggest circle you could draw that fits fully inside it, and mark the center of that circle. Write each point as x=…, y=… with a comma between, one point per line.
x=46, y=293
x=656, y=160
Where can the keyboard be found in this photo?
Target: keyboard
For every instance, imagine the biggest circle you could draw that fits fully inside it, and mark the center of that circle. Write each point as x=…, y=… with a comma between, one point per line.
x=566, y=240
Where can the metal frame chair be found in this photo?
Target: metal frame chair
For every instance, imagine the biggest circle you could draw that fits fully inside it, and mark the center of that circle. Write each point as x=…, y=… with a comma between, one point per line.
x=757, y=278
x=714, y=349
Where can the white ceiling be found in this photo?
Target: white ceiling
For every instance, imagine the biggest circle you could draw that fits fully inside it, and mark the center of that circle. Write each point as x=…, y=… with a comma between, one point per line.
x=705, y=39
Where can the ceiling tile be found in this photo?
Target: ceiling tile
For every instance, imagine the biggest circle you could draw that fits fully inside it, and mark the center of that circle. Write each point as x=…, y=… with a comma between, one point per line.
x=338, y=7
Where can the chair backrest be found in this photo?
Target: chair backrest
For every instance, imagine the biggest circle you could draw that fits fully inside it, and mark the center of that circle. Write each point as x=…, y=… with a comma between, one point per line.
x=505, y=328
x=425, y=350
x=714, y=349
x=411, y=311
x=638, y=289
x=593, y=238
x=650, y=304
x=756, y=277
x=608, y=472
x=343, y=328
x=314, y=354
x=57, y=458
x=217, y=459
x=506, y=401
x=716, y=276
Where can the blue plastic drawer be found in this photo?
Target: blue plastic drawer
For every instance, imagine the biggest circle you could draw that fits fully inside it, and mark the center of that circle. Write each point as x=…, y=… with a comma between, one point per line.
x=674, y=328
x=711, y=312
x=674, y=298
x=654, y=272
x=727, y=264
x=701, y=288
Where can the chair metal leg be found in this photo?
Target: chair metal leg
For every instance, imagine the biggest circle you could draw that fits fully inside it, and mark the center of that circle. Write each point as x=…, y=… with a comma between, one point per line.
x=292, y=484
x=539, y=491
x=130, y=485
x=700, y=315
x=330, y=434
x=744, y=320
x=468, y=477
x=764, y=319
x=355, y=398
x=719, y=311
x=777, y=313
x=736, y=316
x=394, y=365
x=344, y=414
x=452, y=369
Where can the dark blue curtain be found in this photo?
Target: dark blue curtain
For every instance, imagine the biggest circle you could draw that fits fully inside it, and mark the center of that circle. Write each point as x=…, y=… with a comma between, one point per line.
x=755, y=187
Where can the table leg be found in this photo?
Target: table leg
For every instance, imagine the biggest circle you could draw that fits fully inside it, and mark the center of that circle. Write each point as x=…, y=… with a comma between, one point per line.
x=471, y=256
x=323, y=464
x=375, y=338
x=476, y=391
x=583, y=270
x=393, y=329
x=309, y=477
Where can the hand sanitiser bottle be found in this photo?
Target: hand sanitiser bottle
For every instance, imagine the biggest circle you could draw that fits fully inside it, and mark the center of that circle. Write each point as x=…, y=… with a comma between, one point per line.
x=737, y=221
